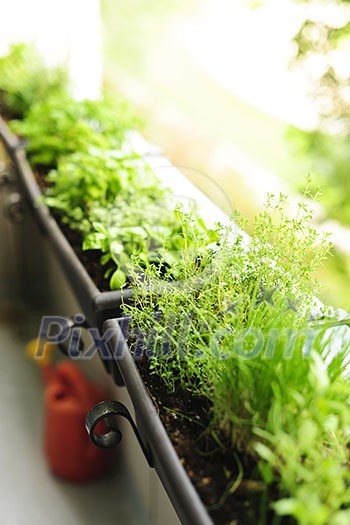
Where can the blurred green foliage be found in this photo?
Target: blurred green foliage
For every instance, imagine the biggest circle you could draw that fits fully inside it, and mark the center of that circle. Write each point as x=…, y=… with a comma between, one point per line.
x=60, y=125
x=321, y=50
x=328, y=159
x=25, y=80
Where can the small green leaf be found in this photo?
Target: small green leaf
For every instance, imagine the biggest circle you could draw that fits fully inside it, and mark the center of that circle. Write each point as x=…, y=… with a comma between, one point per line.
x=286, y=506
x=117, y=280
x=95, y=241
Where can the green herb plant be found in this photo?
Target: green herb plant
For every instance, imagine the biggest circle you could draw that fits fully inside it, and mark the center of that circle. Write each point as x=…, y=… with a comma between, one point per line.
x=60, y=125
x=242, y=328
x=97, y=184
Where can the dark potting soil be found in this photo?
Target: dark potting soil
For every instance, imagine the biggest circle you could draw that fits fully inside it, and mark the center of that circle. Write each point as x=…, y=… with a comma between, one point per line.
x=211, y=468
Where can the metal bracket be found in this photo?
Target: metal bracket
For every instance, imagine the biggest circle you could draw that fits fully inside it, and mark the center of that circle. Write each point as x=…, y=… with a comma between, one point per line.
x=79, y=347
x=107, y=411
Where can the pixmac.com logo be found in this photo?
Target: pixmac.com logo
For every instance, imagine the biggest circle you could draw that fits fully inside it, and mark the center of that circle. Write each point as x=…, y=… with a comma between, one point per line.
x=247, y=343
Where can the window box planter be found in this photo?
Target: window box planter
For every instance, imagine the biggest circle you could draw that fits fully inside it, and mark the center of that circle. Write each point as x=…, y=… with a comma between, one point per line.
x=100, y=310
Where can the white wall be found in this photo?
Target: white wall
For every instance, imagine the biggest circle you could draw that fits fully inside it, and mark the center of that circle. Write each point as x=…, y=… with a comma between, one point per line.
x=65, y=31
